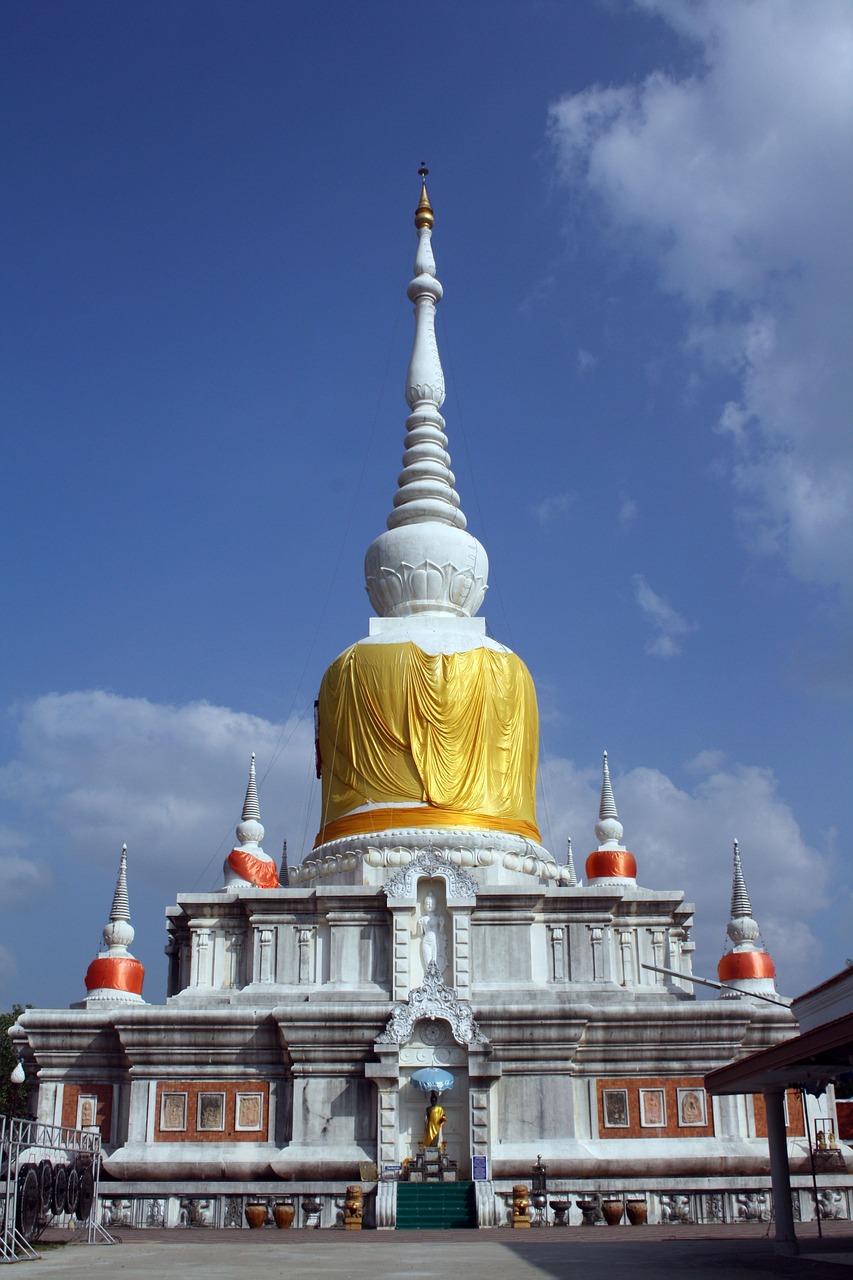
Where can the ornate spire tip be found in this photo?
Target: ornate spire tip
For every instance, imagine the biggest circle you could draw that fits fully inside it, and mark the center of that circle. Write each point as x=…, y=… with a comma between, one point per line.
x=424, y=215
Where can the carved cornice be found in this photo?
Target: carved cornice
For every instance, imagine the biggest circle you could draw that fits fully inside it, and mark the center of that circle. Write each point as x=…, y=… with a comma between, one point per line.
x=432, y=1000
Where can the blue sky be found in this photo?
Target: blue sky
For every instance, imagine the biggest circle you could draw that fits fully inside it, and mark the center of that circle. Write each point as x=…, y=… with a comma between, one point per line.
x=642, y=227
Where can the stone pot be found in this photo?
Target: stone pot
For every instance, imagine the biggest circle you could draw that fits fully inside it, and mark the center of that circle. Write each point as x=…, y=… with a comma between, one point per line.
x=637, y=1211
x=256, y=1213
x=612, y=1210
x=283, y=1212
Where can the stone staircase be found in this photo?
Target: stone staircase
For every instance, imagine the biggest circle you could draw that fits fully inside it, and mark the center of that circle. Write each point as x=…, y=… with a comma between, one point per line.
x=435, y=1206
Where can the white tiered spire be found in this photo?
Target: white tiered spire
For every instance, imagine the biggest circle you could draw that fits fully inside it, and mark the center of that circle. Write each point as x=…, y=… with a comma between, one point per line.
x=247, y=865
x=610, y=863
x=747, y=967
x=425, y=562
x=608, y=828
x=119, y=933
x=115, y=974
x=741, y=906
x=571, y=878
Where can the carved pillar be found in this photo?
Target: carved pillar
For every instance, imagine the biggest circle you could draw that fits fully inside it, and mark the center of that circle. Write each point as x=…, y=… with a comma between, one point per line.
x=595, y=941
x=658, y=939
x=202, y=958
x=305, y=935
x=482, y=1074
x=386, y=1074
x=626, y=940
x=401, y=924
x=558, y=952
x=264, y=955
x=233, y=976
x=460, y=918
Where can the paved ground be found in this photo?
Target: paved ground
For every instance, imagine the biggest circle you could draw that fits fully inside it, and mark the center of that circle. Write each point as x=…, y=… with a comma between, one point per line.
x=621, y=1253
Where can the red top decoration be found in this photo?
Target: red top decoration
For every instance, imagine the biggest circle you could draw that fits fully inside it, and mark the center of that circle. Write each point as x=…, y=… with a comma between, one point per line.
x=745, y=964
x=257, y=871
x=115, y=973
x=609, y=863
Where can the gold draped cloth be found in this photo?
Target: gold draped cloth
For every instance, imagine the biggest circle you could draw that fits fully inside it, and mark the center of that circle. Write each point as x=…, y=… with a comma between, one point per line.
x=454, y=734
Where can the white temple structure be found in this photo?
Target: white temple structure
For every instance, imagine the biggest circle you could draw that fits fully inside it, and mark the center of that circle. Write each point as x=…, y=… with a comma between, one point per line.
x=427, y=930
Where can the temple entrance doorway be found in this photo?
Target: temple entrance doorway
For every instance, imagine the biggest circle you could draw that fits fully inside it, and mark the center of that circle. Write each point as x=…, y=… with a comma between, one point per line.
x=432, y=1045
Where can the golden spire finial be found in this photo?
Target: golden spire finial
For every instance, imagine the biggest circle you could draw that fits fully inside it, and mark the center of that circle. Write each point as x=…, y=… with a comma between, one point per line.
x=424, y=216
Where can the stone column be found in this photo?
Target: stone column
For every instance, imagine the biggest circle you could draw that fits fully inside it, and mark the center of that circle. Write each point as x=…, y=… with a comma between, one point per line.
x=264, y=955
x=401, y=925
x=596, y=934
x=558, y=952
x=658, y=941
x=386, y=1075
x=626, y=939
x=461, y=967
x=305, y=945
x=780, y=1173
x=482, y=1073
x=202, y=962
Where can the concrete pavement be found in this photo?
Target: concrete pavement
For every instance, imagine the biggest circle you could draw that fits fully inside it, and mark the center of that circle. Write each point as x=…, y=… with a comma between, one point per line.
x=726, y=1253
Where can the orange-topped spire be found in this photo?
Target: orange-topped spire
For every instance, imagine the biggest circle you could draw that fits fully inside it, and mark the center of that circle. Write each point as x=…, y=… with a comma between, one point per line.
x=116, y=975
x=610, y=863
x=747, y=967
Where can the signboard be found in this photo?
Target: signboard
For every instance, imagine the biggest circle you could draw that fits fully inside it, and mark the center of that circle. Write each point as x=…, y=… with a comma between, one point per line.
x=479, y=1169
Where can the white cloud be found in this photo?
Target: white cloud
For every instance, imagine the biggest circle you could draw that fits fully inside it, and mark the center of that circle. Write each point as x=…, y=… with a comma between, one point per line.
x=736, y=183
x=667, y=622
x=682, y=839
x=627, y=513
x=19, y=879
x=95, y=770
x=554, y=507
x=586, y=361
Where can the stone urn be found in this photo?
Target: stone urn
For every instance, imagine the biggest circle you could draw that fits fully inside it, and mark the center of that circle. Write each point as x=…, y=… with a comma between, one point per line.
x=612, y=1210
x=590, y=1211
x=637, y=1211
x=354, y=1208
x=520, y=1205
x=312, y=1208
x=560, y=1209
x=256, y=1213
x=283, y=1212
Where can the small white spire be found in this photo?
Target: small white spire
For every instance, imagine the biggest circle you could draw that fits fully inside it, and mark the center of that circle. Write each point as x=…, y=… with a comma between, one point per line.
x=250, y=829
x=608, y=828
x=115, y=975
x=243, y=865
x=607, y=807
x=121, y=904
x=741, y=905
x=572, y=878
x=742, y=927
x=119, y=932
x=747, y=968
x=251, y=810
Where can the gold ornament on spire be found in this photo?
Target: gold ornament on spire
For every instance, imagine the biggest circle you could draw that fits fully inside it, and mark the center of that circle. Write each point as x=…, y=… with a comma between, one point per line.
x=424, y=216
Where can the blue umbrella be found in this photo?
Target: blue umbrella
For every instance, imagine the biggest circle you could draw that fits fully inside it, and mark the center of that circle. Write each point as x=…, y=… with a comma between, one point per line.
x=431, y=1079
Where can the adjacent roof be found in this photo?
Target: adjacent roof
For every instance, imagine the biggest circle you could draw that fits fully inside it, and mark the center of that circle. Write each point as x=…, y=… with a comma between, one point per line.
x=817, y=1056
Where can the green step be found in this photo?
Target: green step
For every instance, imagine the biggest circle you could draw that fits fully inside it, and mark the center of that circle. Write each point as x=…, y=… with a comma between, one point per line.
x=436, y=1206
